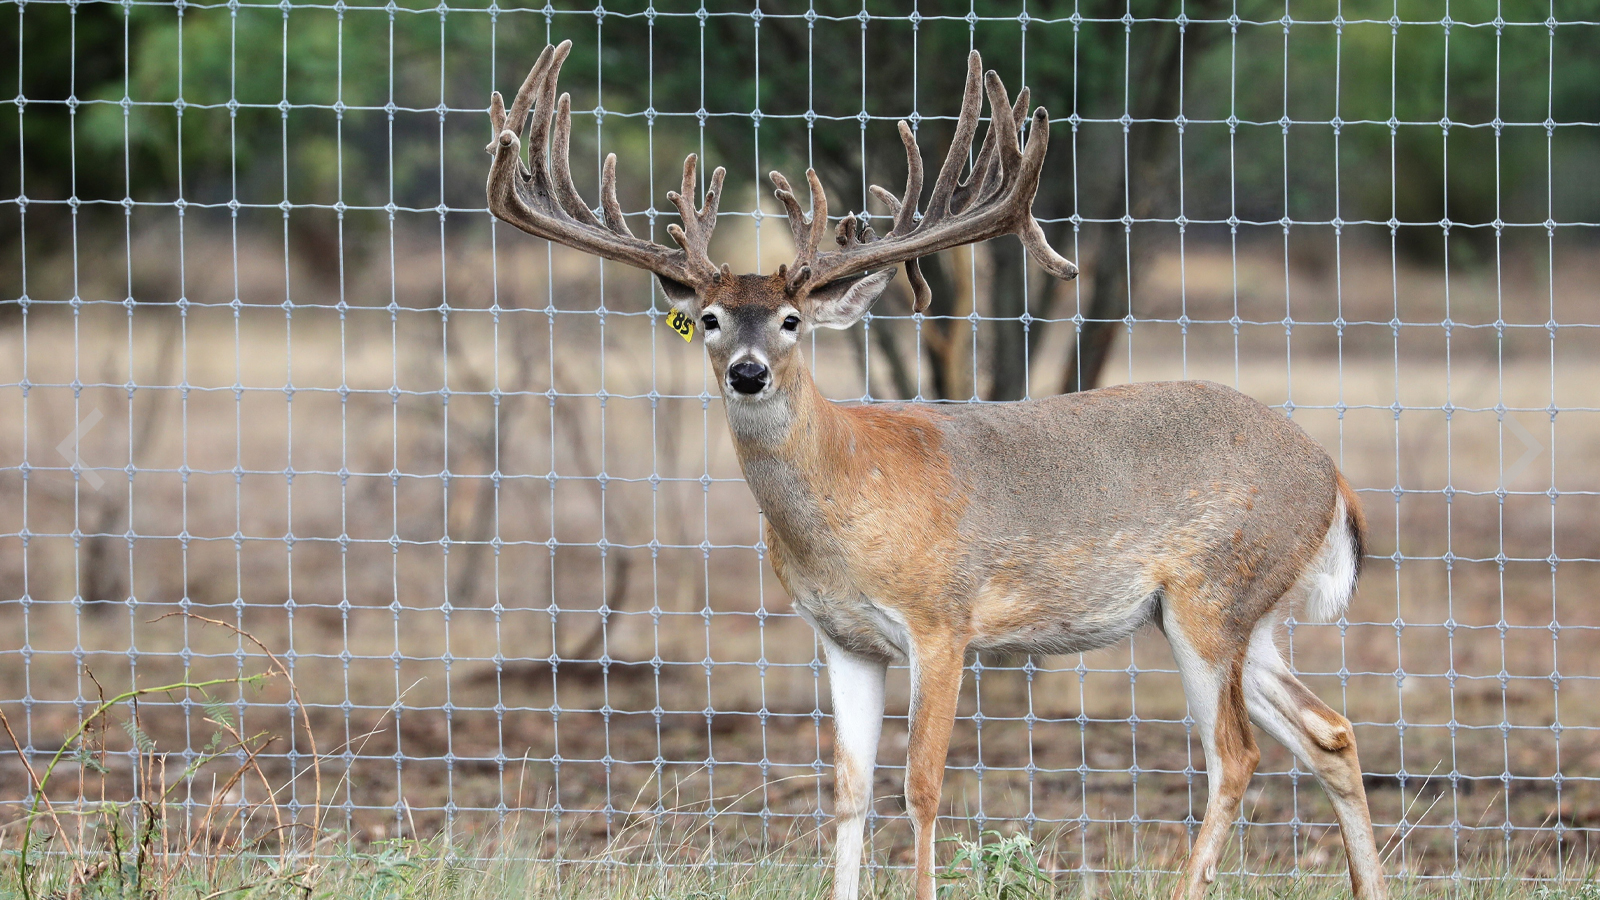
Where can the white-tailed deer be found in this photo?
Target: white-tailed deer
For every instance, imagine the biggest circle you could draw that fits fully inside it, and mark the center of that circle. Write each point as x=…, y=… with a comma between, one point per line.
x=925, y=533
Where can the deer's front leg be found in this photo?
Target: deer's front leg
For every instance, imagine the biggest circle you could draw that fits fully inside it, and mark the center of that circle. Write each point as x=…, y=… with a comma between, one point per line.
x=857, y=685
x=936, y=665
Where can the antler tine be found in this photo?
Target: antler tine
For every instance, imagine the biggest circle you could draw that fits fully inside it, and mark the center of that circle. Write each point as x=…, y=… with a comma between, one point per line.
x=539, y=133
x=530, y=85
x=1038, y=143
x=819, y=214
x=694, y=236
x=561, y=169
x=1003, y=121
x=539, y=197
x=680, y=233
x=966, y=126
x=1038, y=247
x=997, y=161
x=497, y=118
x=995, y=198
x=849, y=231
x=982, y=169
x=1019, y=115
x=808, y=233
x=791, y=207
x=905, y=210
x=608, y=197
x=887, y=199
x=921, y=294
x=713, y=200
x=706, y=219
x=1031, y=235
x=1005, y=128
x=683, y=197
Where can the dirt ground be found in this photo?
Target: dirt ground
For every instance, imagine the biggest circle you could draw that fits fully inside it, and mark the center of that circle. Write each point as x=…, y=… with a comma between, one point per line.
x=419, y=511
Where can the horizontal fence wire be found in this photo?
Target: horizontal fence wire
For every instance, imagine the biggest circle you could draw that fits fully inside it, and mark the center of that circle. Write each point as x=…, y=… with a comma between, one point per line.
x=269, y=361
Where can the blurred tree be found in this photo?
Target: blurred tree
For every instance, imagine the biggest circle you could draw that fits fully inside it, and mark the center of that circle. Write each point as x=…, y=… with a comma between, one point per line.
x=370, y=105
x=259, y=104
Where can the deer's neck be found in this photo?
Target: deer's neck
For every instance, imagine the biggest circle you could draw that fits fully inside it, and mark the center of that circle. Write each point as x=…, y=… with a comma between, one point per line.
x=784, y=445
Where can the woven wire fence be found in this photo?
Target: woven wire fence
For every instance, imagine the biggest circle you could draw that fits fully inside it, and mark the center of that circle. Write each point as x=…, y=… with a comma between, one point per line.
x=268, y=360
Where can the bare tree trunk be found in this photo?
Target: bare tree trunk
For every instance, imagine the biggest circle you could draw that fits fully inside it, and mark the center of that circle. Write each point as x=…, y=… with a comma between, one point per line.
x=884, y=335
x=888, y=334
x=936, y=332
x=1108, y=304
x=946, y=331
x=103, y=580
x=1118, y=255
x=1008, y=355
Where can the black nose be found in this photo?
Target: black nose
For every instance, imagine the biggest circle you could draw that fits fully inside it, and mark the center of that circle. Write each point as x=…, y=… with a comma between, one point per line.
x=747, y=377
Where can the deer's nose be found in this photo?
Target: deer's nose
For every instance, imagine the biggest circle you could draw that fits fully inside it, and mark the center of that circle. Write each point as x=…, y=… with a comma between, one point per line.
x=748, y=377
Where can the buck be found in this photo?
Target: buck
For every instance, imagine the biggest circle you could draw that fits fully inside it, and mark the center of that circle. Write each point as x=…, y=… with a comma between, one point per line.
x=926, y=533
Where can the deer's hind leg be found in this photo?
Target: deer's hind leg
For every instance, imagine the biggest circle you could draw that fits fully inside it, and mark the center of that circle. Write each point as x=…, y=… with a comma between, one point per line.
x=1324, y=742
x=1213, y=681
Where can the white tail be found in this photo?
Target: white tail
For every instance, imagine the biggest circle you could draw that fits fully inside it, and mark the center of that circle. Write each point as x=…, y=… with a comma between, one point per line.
x=1332, y=578
x=925, y=533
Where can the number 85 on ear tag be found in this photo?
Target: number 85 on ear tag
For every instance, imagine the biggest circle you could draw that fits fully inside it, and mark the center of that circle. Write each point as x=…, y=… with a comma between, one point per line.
x=682, y=324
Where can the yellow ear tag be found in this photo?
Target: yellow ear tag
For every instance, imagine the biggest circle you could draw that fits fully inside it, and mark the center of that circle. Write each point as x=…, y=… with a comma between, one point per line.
x=682, y=324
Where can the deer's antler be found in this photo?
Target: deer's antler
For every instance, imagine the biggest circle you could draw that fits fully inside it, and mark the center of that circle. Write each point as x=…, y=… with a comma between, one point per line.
x=542, y=200
x=996, y=198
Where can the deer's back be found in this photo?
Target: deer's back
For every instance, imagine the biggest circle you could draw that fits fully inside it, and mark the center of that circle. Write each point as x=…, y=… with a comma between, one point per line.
x=1082, y=511
x=1128, y=456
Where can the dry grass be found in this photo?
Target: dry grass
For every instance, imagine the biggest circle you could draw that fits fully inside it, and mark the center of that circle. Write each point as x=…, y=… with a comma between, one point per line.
x=167, y=820
x=406, y=645
x=678, y=868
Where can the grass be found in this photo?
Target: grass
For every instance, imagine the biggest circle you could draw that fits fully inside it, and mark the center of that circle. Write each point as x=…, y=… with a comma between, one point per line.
x=436, y=870
x=136, y=837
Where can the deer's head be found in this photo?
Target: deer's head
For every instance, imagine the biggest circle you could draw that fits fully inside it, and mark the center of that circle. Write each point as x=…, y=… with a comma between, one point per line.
x=752, y=323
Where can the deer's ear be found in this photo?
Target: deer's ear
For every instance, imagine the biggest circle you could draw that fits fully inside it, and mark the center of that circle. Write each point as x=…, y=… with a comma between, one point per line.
x=682, y=297
x=842, y=303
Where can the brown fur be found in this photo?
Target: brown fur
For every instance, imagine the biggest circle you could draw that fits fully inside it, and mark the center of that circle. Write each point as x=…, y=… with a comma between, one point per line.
x=1330, y=730
x=1236, y=747
x=939, y=671
x=1236, y=743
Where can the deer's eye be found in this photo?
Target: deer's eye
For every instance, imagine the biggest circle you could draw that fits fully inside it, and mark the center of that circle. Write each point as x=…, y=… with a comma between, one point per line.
x=709, y=321
x=791, y=323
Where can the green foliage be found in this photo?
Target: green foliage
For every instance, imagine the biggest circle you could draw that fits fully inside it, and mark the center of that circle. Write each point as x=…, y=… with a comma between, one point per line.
x=386, y=871
x=368, y=104
x=998, y=867
x=1588, y=890
x=1418, y=103
x=143, y=741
